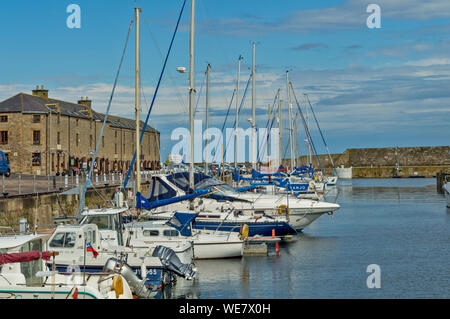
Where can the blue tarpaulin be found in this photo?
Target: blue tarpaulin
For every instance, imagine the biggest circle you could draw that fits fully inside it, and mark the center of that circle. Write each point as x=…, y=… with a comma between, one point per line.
x=182, y=222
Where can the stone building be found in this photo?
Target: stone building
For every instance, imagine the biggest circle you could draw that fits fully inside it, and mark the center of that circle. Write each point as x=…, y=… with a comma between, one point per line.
x=41, y=135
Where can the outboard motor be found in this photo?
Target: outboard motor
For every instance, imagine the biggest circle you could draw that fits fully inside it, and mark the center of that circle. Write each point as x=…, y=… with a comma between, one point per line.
x=117, y=266
x=171, y=261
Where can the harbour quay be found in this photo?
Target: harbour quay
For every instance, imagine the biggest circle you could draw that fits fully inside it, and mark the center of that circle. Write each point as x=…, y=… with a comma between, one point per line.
x=387, y=162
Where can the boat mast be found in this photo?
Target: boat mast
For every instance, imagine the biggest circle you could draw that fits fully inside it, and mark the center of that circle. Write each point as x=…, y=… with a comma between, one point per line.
x=254, y=149
x=291, y=135
x=309, y=142
x=208, y=67
x=237, y=112
x=280, y=126
x=138, y=102
x=191, y=97
x=268, y=146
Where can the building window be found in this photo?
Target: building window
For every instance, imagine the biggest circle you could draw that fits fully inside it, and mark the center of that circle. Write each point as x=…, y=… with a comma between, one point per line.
x=115, y=134
x=4, y=137
x=58, y=138
x=115, y=148
x=77, y=140
x=103, y=141
x=36, y=159
x=36, y=137
x=77, y=121
x=90, y=140
x=36, y=118
x=4, y=118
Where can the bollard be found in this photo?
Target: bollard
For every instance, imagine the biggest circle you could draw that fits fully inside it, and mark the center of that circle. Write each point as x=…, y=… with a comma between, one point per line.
x=104, y=177
x=120, y=178
x=34, y=183
x=96, y=178
x=77, y=180
x=112, y=178
x=66, y=181
x=20, y=184
x=54, y=182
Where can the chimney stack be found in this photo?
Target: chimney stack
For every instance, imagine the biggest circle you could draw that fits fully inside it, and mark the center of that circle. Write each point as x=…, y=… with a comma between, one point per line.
x=85, y=102
x=42, y=92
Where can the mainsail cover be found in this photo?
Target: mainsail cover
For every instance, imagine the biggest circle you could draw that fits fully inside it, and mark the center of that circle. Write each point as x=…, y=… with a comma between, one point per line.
x=24, y=257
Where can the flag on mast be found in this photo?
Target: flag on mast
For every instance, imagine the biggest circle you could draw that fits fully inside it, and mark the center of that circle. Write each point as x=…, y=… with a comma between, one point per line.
x=91, y=249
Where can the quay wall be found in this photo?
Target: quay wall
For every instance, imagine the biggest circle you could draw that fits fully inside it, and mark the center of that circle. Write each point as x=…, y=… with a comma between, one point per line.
x=382, y=162
x=41, y=209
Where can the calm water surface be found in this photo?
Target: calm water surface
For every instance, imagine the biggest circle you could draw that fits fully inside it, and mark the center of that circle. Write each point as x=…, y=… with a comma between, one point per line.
x=400, y=224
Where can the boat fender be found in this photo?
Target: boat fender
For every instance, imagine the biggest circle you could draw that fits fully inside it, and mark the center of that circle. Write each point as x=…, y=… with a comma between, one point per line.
x=280, y=209
x=244, y=232
x=117, y=285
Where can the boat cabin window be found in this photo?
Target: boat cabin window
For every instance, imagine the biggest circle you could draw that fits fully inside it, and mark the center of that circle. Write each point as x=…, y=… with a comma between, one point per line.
x=107, y=222
x=29, y=269
x=259, y=212
x=90, y=236
x=212, y=216
x=63, y=240
x=171, y=232
x=102, y=222
x=151, y=232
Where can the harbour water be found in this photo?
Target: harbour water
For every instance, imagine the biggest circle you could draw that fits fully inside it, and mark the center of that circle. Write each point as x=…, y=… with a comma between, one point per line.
x=402, y=225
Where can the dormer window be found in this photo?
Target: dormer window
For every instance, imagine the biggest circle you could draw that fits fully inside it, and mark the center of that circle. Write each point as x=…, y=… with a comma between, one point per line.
x=36, y=118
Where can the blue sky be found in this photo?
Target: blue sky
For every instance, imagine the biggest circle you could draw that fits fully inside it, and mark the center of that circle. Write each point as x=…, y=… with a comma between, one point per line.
x=370, y=87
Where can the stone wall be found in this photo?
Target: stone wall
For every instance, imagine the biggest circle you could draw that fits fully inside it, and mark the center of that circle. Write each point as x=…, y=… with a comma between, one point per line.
x=40, y=210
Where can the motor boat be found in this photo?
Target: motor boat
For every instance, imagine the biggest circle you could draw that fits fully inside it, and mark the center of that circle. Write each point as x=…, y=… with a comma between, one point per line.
x=24, y=275
x=98, y=238
x=208, y=244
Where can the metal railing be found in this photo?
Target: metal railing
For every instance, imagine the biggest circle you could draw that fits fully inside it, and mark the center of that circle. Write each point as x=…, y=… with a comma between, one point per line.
x=27, y=184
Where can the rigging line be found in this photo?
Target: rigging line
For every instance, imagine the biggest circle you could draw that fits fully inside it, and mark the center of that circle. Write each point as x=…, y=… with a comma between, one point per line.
x=225, y=121
x=266, y=140
x=288, y=139
x=181, y=100
x=198, y=97
x=308, y=135
x=317, y=122
x=239, y=110
x=154, y=95
x=83, y=194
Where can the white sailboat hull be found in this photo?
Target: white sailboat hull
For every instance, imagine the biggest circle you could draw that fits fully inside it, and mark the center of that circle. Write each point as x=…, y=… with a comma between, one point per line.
x=218, y=250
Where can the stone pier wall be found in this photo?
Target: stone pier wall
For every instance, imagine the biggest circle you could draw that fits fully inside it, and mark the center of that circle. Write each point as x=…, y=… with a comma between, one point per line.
x=42, y=209
x=381, y=162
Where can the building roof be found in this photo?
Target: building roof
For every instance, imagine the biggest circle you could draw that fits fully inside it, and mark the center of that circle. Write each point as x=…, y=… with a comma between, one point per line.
x=26, y=103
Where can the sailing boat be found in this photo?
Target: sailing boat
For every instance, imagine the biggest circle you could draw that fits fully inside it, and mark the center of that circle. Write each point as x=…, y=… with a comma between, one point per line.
x=101, y=228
